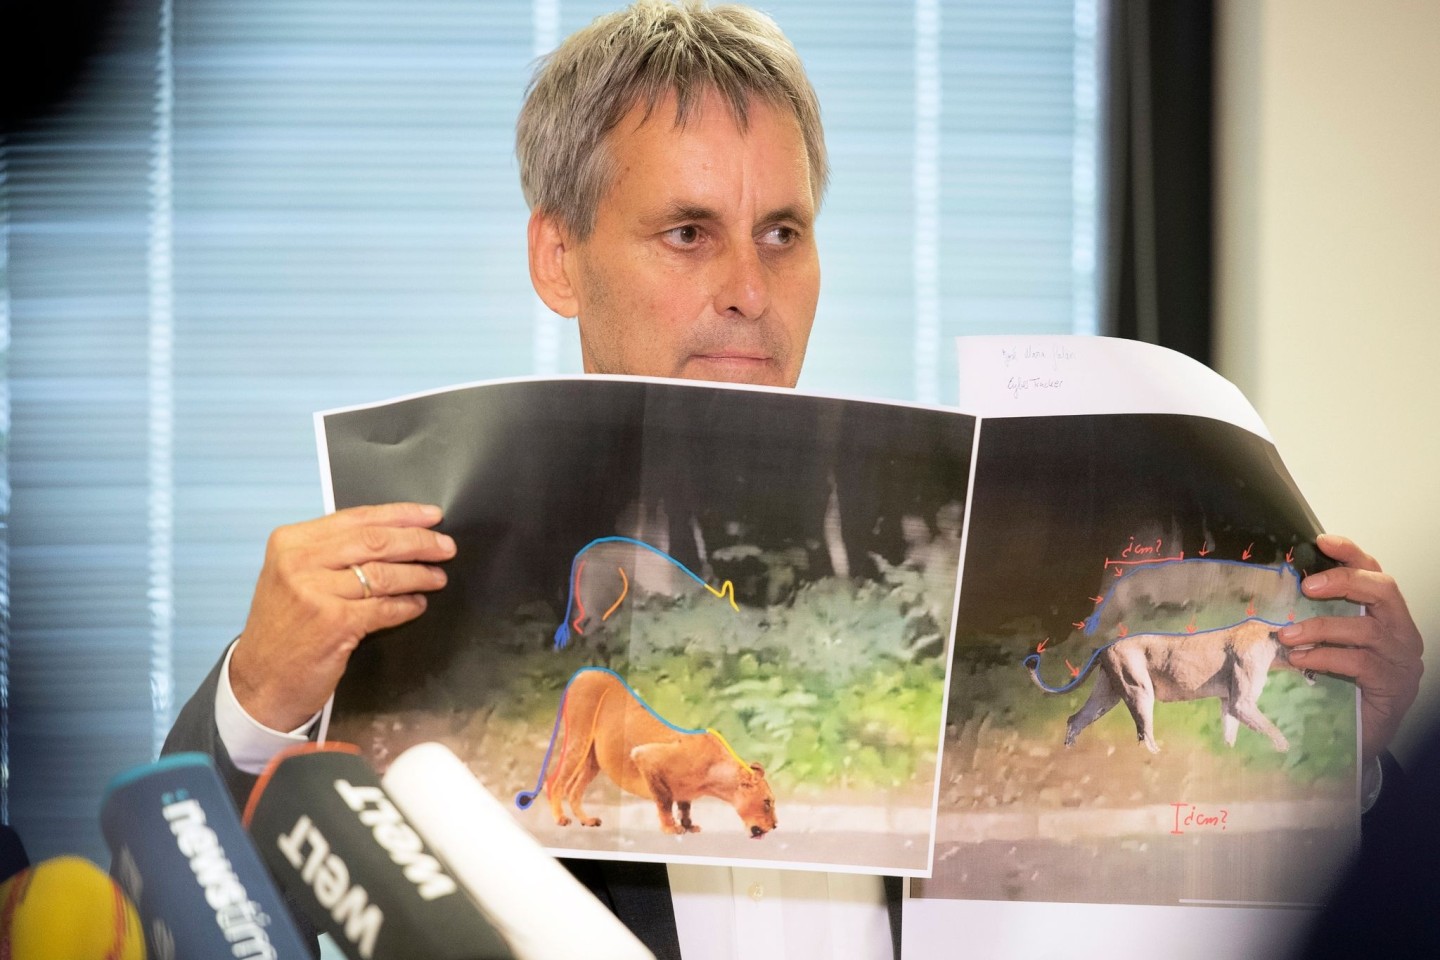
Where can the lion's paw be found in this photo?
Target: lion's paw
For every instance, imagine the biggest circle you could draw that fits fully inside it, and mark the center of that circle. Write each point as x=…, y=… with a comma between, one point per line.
x=562, y=821
x=590, y=822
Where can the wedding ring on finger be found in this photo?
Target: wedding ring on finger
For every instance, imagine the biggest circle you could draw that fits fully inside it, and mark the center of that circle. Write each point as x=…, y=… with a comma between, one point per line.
x=364, y=580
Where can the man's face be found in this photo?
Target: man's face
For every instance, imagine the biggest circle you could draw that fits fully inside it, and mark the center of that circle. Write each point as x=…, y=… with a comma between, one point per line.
x=702, y=263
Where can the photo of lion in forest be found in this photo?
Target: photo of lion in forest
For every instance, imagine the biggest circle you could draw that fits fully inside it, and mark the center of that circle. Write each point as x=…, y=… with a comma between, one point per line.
x=779, y=569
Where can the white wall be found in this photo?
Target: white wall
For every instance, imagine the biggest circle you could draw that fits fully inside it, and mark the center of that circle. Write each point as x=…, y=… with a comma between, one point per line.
x=1328, y=267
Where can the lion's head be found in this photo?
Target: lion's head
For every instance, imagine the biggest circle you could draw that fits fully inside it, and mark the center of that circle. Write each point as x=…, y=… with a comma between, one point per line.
x=755, y=802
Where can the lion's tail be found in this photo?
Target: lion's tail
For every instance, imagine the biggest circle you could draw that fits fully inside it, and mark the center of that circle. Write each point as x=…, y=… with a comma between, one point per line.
x=1032, y=665
x=524, y=798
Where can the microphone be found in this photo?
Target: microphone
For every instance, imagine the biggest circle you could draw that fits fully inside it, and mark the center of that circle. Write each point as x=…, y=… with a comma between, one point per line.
x=521, y=886
x=67, y=907
x=178, y=849
x=343, y=851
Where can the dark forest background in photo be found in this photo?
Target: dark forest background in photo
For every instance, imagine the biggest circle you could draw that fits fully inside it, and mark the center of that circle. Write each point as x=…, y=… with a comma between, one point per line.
x=534, y=471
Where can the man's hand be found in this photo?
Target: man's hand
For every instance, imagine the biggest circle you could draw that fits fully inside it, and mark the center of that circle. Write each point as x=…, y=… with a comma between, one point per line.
x=1380, y=650
x=310, y=609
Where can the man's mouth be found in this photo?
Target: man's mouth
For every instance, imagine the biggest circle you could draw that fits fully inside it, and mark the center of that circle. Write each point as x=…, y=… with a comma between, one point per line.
x=733, y=356
x=735, y=365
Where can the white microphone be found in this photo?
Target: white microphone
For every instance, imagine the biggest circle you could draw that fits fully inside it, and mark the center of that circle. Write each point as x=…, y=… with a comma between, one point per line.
x=520, y=886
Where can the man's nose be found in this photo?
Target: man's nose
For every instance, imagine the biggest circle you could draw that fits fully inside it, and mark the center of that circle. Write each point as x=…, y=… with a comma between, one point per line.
x=744, y=290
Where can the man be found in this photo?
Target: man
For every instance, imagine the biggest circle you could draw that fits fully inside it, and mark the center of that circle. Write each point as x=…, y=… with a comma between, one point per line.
x=674, y=164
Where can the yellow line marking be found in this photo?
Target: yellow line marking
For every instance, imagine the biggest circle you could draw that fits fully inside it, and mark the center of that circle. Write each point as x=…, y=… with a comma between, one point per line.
x=625, y=589
x=726, y=744
x=726, y=592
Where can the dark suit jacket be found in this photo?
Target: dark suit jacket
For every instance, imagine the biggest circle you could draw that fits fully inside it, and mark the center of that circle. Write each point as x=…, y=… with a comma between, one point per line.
x=637, y=893
x=1384, y=905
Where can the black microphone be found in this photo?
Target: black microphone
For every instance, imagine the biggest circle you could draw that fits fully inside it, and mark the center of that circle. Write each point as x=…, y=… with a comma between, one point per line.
x=181, y=854
x=12, y=853
x=344, y=852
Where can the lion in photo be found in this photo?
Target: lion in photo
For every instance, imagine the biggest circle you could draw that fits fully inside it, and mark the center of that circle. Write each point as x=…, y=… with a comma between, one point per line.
x=1230, y=663
x=608, y=728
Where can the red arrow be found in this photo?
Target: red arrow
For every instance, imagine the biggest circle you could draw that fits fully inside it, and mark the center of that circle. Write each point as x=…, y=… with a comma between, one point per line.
x=1290, y=555
x=1246, y=554
x=1074, y=670
x=1098, y=599
x=1078, y=626
x=1205, y=549
x=1041, y=648
x=1250, y=610
x=1123, y=630
x=1292, y=616
x=1190, y=627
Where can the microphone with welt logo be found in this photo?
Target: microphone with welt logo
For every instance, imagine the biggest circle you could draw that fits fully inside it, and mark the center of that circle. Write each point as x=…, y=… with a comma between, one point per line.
x=344, y=852
x=519, y=884
x=178, y=849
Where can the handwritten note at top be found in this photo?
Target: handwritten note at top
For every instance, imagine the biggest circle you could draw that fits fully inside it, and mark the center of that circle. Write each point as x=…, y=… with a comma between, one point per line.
x=1051, y=376
x=1036, y=366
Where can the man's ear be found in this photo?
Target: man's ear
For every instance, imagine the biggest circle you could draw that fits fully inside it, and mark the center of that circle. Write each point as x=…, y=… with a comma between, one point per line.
x=548, y=242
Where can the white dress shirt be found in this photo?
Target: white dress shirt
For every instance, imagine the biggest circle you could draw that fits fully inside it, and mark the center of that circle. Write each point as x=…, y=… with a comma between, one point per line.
x=721, y=913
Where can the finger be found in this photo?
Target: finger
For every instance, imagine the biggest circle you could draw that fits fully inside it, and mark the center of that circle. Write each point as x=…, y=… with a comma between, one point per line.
x=382, y=613
x=386, y=544
x=1335, y=631
x=1372, y=588
x=403, y=514
x=1346, y=551
x=1361, y=665
x=1400, y=645
x=386, y=580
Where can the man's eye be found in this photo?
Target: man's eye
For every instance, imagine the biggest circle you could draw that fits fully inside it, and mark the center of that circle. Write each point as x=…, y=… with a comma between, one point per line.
x=686, y=236
x=782, y=236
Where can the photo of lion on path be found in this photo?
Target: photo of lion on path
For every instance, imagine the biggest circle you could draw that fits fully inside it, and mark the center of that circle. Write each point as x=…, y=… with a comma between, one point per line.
x=1230, y=664
x=605, y=726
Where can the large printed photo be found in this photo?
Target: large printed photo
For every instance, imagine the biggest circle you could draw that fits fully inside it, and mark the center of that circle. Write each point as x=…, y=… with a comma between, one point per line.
x=685, y=622
x=1123, y=726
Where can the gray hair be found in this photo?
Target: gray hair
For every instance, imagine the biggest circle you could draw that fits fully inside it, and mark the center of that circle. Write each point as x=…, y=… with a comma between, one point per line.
x=640, y=54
